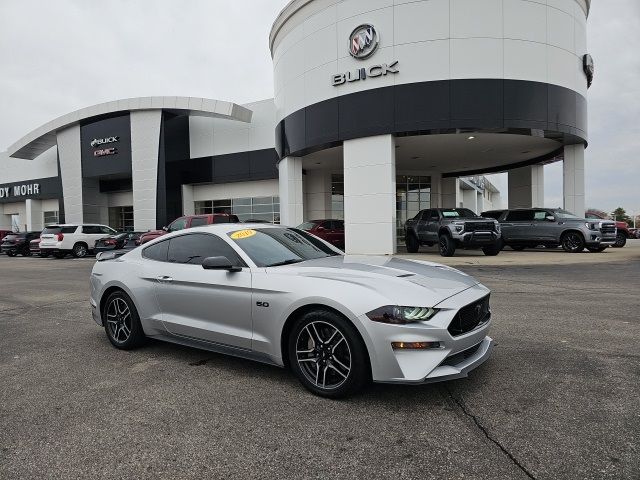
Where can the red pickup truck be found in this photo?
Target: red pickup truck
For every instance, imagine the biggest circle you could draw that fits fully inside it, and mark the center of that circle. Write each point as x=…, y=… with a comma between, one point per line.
x=623, y=229
x=187, y=221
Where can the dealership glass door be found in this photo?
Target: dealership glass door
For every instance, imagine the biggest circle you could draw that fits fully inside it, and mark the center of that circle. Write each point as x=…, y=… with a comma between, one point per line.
x=413, y=193
x=121, y=218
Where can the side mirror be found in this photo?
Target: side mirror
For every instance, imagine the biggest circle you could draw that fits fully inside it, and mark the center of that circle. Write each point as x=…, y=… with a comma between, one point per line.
x=320, y=229
x=550, y=218
x=166, y=229
x=219, y=263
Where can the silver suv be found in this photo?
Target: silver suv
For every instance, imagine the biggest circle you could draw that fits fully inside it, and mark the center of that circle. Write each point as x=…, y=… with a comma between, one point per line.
x=529, y=227
x=451, y=228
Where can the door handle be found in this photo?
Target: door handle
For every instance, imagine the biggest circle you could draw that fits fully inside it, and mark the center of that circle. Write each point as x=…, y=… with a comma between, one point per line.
x=165, y=278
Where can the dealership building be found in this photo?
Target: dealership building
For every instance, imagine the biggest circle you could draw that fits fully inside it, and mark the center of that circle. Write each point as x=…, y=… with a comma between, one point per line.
x=381, y=108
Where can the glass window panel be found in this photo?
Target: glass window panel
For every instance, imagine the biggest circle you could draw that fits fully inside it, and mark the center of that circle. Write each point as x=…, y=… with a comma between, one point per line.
x=263, y=208
x=239, y=210
x=241, y=201
x=263, y=200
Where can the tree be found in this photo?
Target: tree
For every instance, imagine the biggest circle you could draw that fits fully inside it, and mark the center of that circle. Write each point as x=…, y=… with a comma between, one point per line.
x=620, y=215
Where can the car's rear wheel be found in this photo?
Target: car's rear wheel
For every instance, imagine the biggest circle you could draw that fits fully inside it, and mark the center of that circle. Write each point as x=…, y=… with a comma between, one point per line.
x=327, y=354
x=11, y=254
x=572, y=242
x=596, y=249
x=121, y=322
x=621, y=240
x=446, y=246
x=80, y=250
x=412, y=243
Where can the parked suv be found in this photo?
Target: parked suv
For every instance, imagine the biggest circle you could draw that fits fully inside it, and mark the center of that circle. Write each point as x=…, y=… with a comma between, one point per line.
x=623, y=229
x=18, y=243
x=529, y=227
x=451, y=228
x=331, y=231
x=77, y=240
x=189, y=221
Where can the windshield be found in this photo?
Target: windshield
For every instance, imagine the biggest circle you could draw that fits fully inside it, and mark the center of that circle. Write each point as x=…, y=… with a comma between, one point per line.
x=307, y=226
x=564, y=214
x=271, y=247
x=458, y=213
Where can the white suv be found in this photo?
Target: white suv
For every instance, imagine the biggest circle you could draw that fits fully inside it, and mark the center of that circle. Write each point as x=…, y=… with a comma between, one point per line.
x=77, y=240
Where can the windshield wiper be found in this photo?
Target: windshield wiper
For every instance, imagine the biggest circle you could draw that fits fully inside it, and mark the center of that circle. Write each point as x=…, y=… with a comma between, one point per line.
x=285, y=262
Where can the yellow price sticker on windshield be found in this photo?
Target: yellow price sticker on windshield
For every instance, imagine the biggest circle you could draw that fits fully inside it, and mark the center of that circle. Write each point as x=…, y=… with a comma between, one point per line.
x=241, y=234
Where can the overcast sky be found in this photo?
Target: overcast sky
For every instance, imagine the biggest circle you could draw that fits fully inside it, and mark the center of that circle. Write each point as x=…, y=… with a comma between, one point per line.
x=58, y=56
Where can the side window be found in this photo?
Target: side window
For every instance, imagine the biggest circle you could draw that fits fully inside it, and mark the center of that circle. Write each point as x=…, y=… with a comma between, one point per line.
x=433, y=215
x=325, y=225
x=520, y=216
x=107, y=230
x=68, y=229
x=221, y=220
x=338, y=225
x=194, y=248
x=91, y=229
x=540, y=215
x=198, y=221
x=179, y=224
x=157, y=251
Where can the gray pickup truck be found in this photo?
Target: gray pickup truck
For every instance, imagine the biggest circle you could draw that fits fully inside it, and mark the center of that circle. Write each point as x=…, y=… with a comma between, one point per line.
x=452, y=228
x=529, y=227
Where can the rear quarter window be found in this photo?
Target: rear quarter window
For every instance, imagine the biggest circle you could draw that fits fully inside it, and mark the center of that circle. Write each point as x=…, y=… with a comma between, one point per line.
x=68, y=230
x=158, y=251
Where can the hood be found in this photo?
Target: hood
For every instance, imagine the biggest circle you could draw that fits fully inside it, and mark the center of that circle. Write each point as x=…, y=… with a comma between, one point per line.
x=392, y=277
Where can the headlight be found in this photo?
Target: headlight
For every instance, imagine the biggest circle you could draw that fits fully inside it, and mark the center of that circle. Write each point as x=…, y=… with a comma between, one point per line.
x=401, y=315
x=591, y=225
x=459, y=227
x=498, y=229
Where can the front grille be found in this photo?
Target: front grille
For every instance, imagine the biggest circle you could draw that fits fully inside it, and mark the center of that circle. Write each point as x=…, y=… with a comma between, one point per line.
x=608, y=229
x=460, y=357
x=470, y=317
x=479, y=226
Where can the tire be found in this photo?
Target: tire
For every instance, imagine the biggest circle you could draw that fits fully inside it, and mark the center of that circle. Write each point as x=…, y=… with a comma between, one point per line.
x=122, y=322
x=596, y=249
x=26, y=253
x=518, y=248
x=572, y=242
x=621, y=240
x=59, y=255
x=11, y=254
x=412, y=243
x=80, y=250
x=43, y=255
x=493, y=250
x=342, y=353
x=446, y=246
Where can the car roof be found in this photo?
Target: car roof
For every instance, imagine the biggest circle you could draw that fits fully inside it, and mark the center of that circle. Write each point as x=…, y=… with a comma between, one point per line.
x=222, y=228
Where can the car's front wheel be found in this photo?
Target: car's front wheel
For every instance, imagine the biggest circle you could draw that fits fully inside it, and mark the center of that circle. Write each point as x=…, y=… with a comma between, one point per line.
x=493, y=250
x=572, y=242
x=446, y=245
x=121, y=321
x=621, y=240
x=327, y=354
x=413, y=245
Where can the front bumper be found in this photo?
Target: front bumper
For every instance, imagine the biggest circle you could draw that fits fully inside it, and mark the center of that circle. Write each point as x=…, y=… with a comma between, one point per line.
x=597, y=239
x=476, y=239
x=455, y=356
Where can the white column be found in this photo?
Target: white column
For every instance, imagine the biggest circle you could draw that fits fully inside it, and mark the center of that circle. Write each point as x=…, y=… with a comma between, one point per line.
x=291, y=195
x=145, y=145
x=35, y=220
x=5, y=222
x=450, y=188
x=470, y=199
x=479, y=202
x=526, y=187
x=317, y=194
x=71, y=172
x=188, y=202
x=370, y=195
x=573, y=175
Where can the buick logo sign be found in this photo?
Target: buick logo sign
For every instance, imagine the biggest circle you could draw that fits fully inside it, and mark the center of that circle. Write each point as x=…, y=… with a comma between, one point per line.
x=102, y=141
x=363, y=41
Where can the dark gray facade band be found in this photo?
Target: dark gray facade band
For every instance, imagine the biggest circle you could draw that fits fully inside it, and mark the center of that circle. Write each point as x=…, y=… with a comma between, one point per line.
x=438, y=107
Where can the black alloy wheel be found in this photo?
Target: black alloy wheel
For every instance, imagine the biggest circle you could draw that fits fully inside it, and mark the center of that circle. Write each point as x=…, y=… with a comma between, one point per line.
x=572, y=242
x=327, y=354
x=621, y=240
x=493, y=250
x=446, y=245
x=413, y=245
x=121, y=322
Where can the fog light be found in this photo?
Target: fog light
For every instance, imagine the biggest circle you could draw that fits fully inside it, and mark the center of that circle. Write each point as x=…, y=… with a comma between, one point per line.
x=414, y=345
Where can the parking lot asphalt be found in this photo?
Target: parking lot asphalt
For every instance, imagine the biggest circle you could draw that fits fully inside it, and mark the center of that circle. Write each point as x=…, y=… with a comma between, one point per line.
x=559, y=398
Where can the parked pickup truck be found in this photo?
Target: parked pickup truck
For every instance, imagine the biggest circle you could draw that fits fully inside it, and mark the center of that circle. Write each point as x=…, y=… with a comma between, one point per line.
x=188, y=221
x=452, y=228
x=529, y=227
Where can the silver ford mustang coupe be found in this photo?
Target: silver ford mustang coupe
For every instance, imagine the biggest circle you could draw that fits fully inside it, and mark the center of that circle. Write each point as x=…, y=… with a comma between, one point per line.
x=283, y=296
